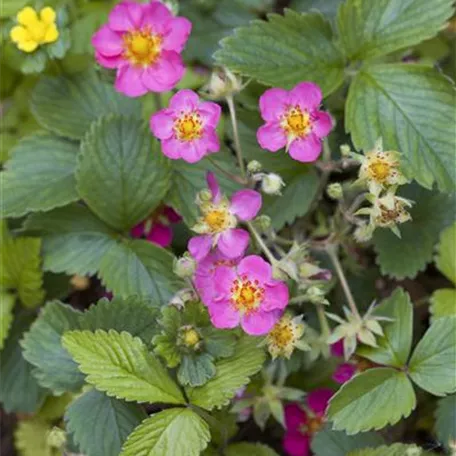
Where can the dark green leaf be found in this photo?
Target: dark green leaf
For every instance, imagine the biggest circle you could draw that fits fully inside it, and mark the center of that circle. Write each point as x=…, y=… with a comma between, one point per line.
x=445, y=424
x=196, y=370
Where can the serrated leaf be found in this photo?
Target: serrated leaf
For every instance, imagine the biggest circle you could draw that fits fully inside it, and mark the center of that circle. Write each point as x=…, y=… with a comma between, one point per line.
x=100, y=424
x=30, y=438
x=398, y=449
x=172, y=432
x=122, y=175
x=430, y=215
x=371, y=400
x=329, y=9
x=84, y=96
x=445, y=424
x=196, y=370
x=433, y=362
x=443, y=303
x=285, y=50
x=232, y=373
x=371, y=29
x=54, y=367
x=394, y=347
x=408, y=106
x=7, y=301
x=249, y=449
x=120, y=365
x=39, y=175
x=446, y=253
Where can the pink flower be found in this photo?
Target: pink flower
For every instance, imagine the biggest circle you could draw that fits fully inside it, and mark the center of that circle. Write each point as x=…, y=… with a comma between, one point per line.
x=143, y=42
x=247, y=295
x=219, y=219
x=156, y=228
x=294, y=121
x=187, y=127
x=302, y=425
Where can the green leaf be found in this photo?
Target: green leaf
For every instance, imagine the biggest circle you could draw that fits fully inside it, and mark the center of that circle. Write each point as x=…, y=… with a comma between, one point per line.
x=19, y=390
x=367, y=30
x=443, y=303
x=285, y=50
x=120, y=365
x=54, y=367
x=249, y=449
x=409, y=107
x=328, y=9
x=380, y=396
x=172, y=432
x=337, y=443
x=430, y=215
x=100, y=424
x=445, y=424
x=30, y=438
x=34, y=63
x=84, y=96
x=232, y=373
x=39, y=175
x=7, y=301
x=433, y=362
x=446, y=253
x=122, y=175
x=397, y=449
x=196, y=370
x=11, y=7
x=394, y=347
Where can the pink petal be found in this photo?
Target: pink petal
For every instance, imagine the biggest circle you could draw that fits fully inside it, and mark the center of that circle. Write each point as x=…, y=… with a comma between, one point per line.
x=344, y=373
x=171, y=148
x=136, y=12
x=223, y=315
x=171, y=214
x=273, y=103
x=296, y=444
x=271, y=136
x=107, y=42
x=245, y=204
x=306, y=150
x=200, y=246
x=210, y=112
x=337, y=348
x=160, y=234
x=165, y=73
x=318, y=400
x=129, y=81
x=192, y=151
x=109, y=62
x=224, y=276
x=119, y=18
x=184, y=100
x=255, y=268
x=233, y=242
x=179, y=29
x=259, y=323
x=138, y=230
x=162, y=123
x=307, y=95
x=323, y=124
x=213, y=186
x=276, y=296
x=211, y=141
x=295, y=416
x=157, y=16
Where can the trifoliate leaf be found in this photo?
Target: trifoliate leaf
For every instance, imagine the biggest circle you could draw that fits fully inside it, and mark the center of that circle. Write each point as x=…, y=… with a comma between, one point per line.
x=371, y=400
x=54, y=367
x=433, y=362
x=430, y=215
x=445, y=424
x=19, y=390
x=397, y=449
x=172, y=432
x=121, y=175
x=390, y=101
x=371, y=29
x=7, y=301
x=120, y=365
x=446, y=253
x=196, y=370
x=285, y=50
x=249, y=449
x=394, y=347
x=100, y=424
x=232, y=373
x=443, y=303
x=39, y=175
x=30, y=438
x=84, y=96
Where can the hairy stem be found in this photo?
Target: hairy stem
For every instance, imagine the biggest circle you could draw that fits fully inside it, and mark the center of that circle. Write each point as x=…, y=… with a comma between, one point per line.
x=237, y=142
x=324, y=326
x=262, y=244
x=226, y=173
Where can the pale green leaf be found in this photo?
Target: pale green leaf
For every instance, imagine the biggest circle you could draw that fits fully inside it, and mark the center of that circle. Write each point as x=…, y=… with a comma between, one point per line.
x=409, y=107
x=443, y=303
x=433, y=362
x=172, y=432
x=370, y=29
x=445, y=424
x=122, y=175
x=54, y=367
x=249, y=449
x=397, y=449
x=30, y=438
x=39, y=175
x=68, y=105
x=120, y=365
x=7, y=301
x=372, y=400
x=285, y=50
x=394, y=347
x=232, y=373
x=446, y=253
x=100, y=424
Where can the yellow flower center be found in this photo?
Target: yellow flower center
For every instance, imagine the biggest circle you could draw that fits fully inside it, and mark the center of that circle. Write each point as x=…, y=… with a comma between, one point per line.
x=188, y=127
x=297, y=123
x=313, y=425
x=218, y=220
x=282, y=334
x=142, y=47
x=246, y=295
x=190, y=337
x=379, y=170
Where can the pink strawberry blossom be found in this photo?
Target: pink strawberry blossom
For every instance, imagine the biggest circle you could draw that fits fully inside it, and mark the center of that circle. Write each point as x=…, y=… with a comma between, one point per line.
x=187, y=127
x=294, y=121
x=219, y=219
x=302, y=424
x=247, y=295
x=143, y=41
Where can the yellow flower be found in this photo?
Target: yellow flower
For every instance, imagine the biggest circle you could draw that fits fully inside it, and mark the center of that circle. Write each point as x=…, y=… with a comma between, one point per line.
x=34, y=30
x=284, y=336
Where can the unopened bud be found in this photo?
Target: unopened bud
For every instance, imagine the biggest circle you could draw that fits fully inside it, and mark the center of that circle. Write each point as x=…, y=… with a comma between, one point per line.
x=56, y=437
x=223, y=83
x=254, y=166
x=263, y=222
x=80, y=283
x=189, y=337
x=345, y=150
x=334, y=191
x=316, y=295
x=184, y=266
x=272, y=184
x=182, y=297
x=204, y=196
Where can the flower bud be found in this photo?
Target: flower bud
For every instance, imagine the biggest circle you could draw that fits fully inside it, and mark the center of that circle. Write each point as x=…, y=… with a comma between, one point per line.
x=254, y=166
x=364, y=232
x=182, y=297
x=263, y=222
x=223, y=83
x=334, y=191
x=80, y=283
x=184, y=266
x=272, y=184
x=56, y=437
x=189, y=337
x=204, y=196
x=345, y=150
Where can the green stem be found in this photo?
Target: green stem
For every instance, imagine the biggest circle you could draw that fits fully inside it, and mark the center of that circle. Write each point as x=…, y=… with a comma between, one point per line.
x=237, y=142
x=262, y=244
x=226, y=173
x=158, y=101
x=325, y=330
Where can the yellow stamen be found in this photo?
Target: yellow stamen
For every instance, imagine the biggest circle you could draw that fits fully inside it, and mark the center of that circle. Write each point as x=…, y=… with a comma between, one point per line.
x=188, y=127
x=297, y=123
x=142, y=47
x=246, y=295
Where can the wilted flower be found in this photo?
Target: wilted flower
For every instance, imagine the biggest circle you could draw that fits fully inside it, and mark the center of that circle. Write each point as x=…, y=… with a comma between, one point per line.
x=285, y=336
x=187, y=127
x=143, y=42
x=294, y=121
x=219, y=219
x=272, y=184
x=223, y=83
